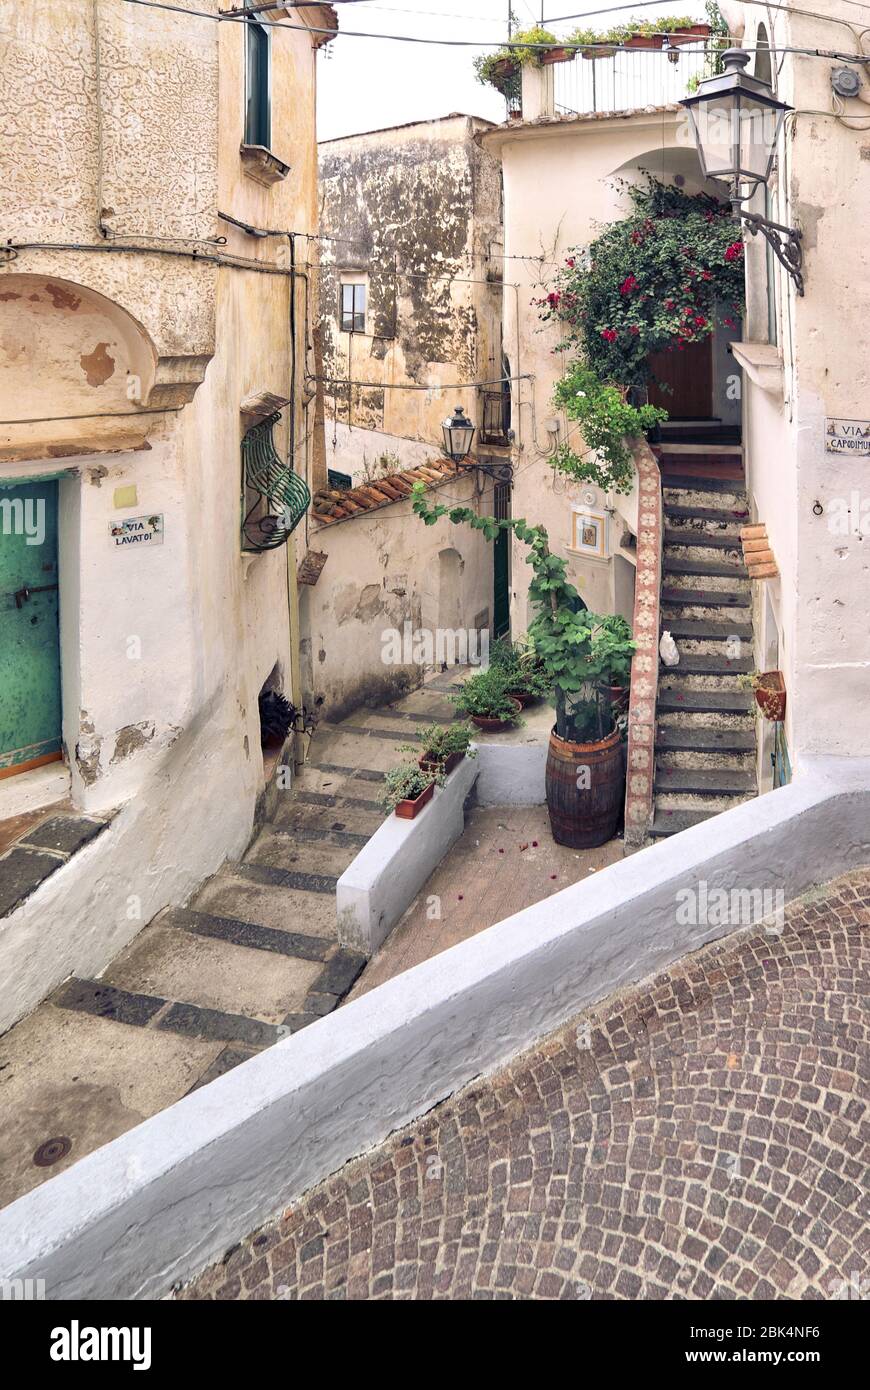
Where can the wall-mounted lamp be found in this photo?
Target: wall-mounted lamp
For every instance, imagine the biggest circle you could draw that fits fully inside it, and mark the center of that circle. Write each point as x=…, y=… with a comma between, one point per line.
x=736, y=121
x=458, y=432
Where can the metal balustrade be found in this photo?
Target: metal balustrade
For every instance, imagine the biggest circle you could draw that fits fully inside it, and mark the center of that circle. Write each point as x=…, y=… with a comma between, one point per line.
x=626, y=80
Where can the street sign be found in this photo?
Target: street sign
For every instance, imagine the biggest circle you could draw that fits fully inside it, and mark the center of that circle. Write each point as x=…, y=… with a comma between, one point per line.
x=847, y=437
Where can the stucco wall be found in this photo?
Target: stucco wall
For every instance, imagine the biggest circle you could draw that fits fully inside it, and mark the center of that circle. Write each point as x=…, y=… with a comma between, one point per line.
x=164, y=650
x=417, y=208
x=385, y=570
x=822, y=186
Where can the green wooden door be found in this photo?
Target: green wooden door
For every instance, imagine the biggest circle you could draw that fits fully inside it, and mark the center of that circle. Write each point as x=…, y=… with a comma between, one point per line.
x=30, y=721
x=501, y=563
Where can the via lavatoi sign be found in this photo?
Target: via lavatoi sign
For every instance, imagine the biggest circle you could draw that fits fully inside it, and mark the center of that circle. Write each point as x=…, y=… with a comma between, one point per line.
x=847, y=436
x=129, y=531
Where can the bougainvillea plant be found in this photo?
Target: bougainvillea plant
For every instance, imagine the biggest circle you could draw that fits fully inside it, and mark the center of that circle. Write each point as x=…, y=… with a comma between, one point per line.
x=606, y=420
x=652, y=282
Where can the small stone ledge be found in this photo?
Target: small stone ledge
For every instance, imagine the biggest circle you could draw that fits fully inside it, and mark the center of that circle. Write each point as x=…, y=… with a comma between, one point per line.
x=262, y=166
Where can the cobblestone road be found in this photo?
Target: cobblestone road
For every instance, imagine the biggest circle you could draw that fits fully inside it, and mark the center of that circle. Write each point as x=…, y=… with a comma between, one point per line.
x=702, y=1136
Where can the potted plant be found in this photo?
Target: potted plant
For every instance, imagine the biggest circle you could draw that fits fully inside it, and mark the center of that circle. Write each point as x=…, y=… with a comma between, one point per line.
x=444, y=747
x=614, y=647
x=408, y=789
x=585, y=777
x=523, y=670
x=563, y=54
x=484, y=698
x=592, y=44
x=685, y=33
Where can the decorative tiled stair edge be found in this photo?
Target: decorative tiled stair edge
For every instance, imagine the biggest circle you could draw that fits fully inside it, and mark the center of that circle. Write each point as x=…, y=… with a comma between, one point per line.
x=644, y=666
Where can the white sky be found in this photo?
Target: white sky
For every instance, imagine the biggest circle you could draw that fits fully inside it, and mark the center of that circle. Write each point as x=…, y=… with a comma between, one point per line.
x=365, y=84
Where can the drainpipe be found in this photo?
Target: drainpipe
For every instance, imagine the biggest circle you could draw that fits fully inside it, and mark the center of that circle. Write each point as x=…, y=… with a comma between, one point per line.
x=292, y=587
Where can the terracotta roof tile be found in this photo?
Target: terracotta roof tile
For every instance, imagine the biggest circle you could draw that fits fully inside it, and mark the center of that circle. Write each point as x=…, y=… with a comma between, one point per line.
x=332, y=504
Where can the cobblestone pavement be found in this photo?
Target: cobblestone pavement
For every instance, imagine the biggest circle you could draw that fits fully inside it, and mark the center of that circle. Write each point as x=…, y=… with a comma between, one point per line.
x=700, y=1136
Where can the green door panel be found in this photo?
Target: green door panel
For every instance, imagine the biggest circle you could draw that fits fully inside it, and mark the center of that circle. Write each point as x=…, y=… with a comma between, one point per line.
x=501, y=595
x=30, y=714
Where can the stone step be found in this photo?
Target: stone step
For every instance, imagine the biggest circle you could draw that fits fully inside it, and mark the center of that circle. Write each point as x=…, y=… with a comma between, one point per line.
x=672, y=822
x=701, y=482
x=735, y=516
x=277, y=939
x=229, y=894
x=704, y=739
x=303, y=817
x=709, y=664
x=137, y=1010
x=41, y=852
x=674, y=698
x=719, y=540
x=674, y=564
x=700, y=629
x=703, y=781
x=706, y=598
x=282, y=849
x=677, y=802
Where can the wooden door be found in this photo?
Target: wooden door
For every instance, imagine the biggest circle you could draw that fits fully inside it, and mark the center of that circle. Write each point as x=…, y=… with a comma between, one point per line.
x=689, y=375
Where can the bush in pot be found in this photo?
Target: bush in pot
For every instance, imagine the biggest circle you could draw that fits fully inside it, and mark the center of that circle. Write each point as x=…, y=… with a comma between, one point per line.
x=579, y=651
x=407, y=789
x=523, y=670
x=484, y=697
x=443, y=746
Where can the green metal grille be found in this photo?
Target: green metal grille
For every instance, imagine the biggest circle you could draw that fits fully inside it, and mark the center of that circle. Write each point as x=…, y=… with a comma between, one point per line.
x=283, y=497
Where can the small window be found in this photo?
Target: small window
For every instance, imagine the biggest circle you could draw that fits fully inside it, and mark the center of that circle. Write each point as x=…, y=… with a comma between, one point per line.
x=258, y=111
x=353, y=307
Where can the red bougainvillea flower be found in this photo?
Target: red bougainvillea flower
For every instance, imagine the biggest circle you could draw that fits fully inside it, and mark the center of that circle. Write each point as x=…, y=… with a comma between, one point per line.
x=608, y=335
x=636, y=238
x=734, y=250
x=634, y=330
x=700, y=321
x=729, y=323
x=628, y=284
x=706, y=275
x=553, y=298
x=669, y=304
x=570, y=262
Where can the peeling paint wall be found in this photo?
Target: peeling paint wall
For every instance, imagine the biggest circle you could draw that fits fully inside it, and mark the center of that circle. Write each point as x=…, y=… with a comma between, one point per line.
x=418, y=209
x=125, y=374
x=385, y=570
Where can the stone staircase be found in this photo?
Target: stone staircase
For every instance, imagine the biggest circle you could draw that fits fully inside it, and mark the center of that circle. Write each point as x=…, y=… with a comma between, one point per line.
x=256, y=955
x=705, y=747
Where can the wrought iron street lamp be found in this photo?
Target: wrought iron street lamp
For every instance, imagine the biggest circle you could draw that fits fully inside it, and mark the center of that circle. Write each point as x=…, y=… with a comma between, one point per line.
x=736, y=121
x=458, y=433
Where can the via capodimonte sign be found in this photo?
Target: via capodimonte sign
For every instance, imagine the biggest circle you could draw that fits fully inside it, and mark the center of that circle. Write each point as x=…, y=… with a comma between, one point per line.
x=136, y=532
x=847, y=437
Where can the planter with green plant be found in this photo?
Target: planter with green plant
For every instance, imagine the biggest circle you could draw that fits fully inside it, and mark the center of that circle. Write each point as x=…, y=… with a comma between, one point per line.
x=408, y=788
x=485, y=700
x=579, y=652
x=770, y=693
x=444, y=746
x=523, y=670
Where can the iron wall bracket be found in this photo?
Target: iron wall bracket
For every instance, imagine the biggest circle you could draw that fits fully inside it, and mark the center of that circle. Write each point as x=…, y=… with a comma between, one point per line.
x=785, y=242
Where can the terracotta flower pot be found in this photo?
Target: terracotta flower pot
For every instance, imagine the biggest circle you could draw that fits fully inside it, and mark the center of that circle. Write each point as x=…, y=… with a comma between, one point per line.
x=505, y=67
x=558, y=55
x=687, y=32
x=495, y=726
x=602, y=52
x=410, y=807
x=770, y=695
x=434, y=765
x=644, y=41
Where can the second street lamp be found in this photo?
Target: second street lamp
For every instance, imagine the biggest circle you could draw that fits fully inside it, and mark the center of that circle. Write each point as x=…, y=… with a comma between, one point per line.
x=736, y=121
x=458, y=432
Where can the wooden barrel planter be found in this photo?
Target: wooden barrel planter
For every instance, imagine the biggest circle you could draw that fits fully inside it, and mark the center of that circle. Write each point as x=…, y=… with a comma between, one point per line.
x=583, y=817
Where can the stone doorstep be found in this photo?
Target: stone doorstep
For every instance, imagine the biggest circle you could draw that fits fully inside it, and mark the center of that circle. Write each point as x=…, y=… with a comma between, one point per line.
x=39, y=853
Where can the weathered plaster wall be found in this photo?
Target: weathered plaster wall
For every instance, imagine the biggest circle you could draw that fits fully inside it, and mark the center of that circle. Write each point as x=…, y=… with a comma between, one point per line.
x=558, y=190
x=820, y=600
x=418, y=208
x=384, y=570
x=163, y=651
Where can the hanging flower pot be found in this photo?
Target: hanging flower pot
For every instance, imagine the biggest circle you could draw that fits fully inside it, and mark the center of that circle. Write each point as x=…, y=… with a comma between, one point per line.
x=644, y=41
x=600, y=52
x=558, y=55
x=687, y=32
x=770, y=695
x=505, y=67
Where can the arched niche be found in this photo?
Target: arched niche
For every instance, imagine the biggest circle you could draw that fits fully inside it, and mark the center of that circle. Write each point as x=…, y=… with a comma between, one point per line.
x=67, y=351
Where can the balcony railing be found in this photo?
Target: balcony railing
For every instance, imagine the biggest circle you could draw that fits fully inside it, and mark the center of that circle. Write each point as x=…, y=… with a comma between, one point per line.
x=627, y=80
